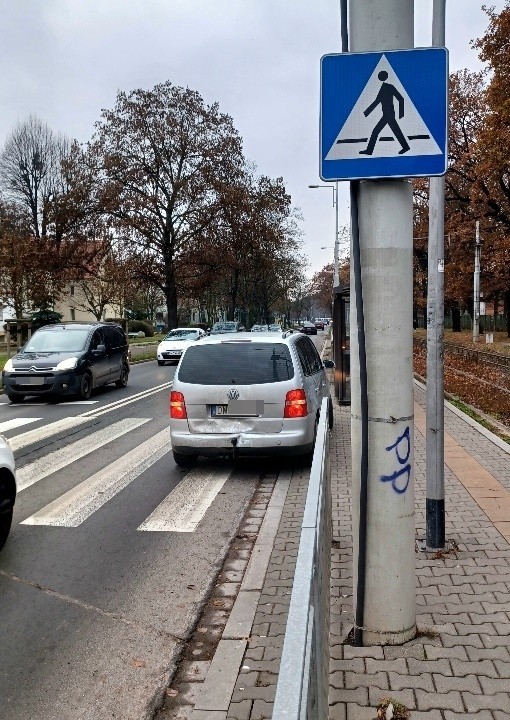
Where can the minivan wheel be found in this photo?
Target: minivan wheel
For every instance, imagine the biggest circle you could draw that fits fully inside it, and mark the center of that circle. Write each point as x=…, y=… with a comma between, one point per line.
x=15, y=398
x=184, y=460
x=330, y=414
x=123, y=380
x=85, y=390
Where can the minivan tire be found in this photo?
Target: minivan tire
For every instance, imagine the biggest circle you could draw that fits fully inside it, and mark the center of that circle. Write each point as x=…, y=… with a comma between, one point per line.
x=123, y=380
x=6, y=506
x=15, y=398
x=85, y=390
x=161, y=362
x=184, y=460
x=330, y=414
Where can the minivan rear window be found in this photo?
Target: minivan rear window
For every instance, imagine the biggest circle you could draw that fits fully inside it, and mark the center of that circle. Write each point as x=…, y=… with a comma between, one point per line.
x=236, y=363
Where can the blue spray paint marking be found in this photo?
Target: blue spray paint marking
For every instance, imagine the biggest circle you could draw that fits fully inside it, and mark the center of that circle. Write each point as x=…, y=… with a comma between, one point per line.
x=402, y=448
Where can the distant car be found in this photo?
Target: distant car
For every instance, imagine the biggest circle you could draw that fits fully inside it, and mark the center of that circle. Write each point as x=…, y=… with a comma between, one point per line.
x=172, y=346
x=247, y=396
x=227, y=326
x=68, y=359
x=260, y=328
x=308, y=328
x=7, y=489
x=319, y=325
x=275, y=328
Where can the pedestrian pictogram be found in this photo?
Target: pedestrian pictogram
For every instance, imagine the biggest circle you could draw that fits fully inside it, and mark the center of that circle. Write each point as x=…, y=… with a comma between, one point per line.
x=384, y=114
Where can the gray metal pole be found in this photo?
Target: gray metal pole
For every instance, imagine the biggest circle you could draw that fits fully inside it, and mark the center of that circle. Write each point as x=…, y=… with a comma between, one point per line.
x=476, y=287
x=336, y=277
x=385, y=235
x=435, y=512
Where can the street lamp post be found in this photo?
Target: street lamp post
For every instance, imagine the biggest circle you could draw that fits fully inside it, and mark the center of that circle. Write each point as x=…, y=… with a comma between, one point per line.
x=334, y=188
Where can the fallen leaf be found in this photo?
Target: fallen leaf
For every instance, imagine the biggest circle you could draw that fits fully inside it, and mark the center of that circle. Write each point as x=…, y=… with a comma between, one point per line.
x=137, y=663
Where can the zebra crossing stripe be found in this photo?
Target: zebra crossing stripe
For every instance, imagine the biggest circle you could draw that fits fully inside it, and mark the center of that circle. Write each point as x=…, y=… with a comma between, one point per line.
x=16, y=422
x=46, y=431
x=75, y=506
x=54, y=461
x=185, y=506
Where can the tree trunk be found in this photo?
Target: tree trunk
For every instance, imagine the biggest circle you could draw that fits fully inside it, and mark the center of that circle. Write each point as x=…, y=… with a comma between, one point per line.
x=507, y=310
x=456, y=318
x=171, y=297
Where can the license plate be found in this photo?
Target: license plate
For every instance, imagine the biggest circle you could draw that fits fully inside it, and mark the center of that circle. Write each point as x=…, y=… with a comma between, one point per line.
x=31, y=381
x=239, y=408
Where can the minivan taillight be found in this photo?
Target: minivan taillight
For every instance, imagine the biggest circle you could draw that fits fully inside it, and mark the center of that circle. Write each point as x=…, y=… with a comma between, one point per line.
x=177, y=406
x=295, y=404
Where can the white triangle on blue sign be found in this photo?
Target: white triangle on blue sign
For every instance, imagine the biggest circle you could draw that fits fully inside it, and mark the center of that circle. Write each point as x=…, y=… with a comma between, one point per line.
x=383, y=122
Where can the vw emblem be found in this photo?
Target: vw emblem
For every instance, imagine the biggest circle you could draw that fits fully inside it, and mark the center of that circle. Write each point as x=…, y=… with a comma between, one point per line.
x=233, y=394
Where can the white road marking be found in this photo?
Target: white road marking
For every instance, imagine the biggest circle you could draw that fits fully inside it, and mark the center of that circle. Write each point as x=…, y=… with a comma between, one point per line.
x=77, y=402
x=185, y=506
x=53, y=461
x=16, y=422
x=46, y=431
x=75, y=506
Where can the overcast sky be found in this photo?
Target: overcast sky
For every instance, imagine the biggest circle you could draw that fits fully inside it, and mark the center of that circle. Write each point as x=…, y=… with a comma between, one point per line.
x=64, y=60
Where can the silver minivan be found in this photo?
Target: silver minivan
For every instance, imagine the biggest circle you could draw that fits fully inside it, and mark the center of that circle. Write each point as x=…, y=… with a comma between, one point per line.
x=247, y=395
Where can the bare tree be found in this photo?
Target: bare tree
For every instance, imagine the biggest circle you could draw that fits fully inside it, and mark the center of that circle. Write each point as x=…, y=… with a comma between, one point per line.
x=30, y=167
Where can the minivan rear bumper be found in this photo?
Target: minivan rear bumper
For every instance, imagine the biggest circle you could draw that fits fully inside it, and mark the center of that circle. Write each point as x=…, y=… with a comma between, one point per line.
x=293, y=441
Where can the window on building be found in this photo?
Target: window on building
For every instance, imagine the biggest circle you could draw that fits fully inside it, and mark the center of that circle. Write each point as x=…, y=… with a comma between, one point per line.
x=72, y=314
x=72, y=289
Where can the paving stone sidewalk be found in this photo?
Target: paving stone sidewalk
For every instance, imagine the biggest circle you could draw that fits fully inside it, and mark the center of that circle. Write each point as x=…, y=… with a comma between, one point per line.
x=459, y=666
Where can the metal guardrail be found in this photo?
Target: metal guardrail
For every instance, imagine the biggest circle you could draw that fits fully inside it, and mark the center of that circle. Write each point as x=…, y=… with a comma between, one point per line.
x=303, y=680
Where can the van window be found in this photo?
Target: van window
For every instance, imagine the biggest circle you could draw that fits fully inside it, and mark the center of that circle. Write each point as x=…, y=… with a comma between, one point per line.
x=308, y=356
x=244, y=363
x=62, y=340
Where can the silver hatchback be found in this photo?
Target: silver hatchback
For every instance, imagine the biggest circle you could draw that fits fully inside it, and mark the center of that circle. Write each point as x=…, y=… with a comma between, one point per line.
x=247, y=395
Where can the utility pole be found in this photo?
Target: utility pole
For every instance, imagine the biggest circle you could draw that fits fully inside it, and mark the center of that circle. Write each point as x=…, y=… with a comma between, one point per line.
x=385, y=222
x=476, y=286
x=434, y=507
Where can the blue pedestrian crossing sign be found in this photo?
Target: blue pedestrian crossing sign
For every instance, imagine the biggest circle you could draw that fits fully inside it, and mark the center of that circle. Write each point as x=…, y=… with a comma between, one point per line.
x=384, y=114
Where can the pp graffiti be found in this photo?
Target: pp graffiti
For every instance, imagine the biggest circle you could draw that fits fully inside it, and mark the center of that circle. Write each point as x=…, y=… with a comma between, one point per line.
x=400, y=478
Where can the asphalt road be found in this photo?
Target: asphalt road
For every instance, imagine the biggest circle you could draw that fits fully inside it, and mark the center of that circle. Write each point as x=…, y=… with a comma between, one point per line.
x=112, y=552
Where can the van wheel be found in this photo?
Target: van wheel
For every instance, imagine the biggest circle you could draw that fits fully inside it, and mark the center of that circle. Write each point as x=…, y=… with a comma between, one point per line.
x=123, y=380
x=184, y=460
x=85, y=390
x=15, y=398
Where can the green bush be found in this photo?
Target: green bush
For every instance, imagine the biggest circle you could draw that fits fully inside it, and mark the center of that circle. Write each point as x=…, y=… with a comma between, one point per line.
x=143, y=325
x=44, y=317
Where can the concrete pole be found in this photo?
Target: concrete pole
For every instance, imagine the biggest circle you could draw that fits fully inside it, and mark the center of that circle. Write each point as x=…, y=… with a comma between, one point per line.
x=385, y=228
x=336, y=277
x=476, y=287
x=435, y=513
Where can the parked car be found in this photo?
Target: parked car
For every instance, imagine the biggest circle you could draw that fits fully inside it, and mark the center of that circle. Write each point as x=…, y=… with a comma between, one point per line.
x=275, y=328
x=68, y=359
x=172, y=346
x=260, y=328
x=227, y=326
x=247, y=396
x=319, y=325
x=7, y=489
x=308, y=328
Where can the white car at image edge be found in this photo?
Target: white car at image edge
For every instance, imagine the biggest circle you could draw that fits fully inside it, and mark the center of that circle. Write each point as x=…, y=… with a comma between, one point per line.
x=7, y=489
x=171, y=348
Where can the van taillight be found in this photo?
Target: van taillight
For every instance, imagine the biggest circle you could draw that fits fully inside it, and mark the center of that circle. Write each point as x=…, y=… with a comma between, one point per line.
x=177, y=406
x=295, y=404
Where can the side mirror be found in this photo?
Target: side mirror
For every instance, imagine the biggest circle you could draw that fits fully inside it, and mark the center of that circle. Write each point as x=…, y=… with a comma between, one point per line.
x=100, y=349
x=329, y=364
